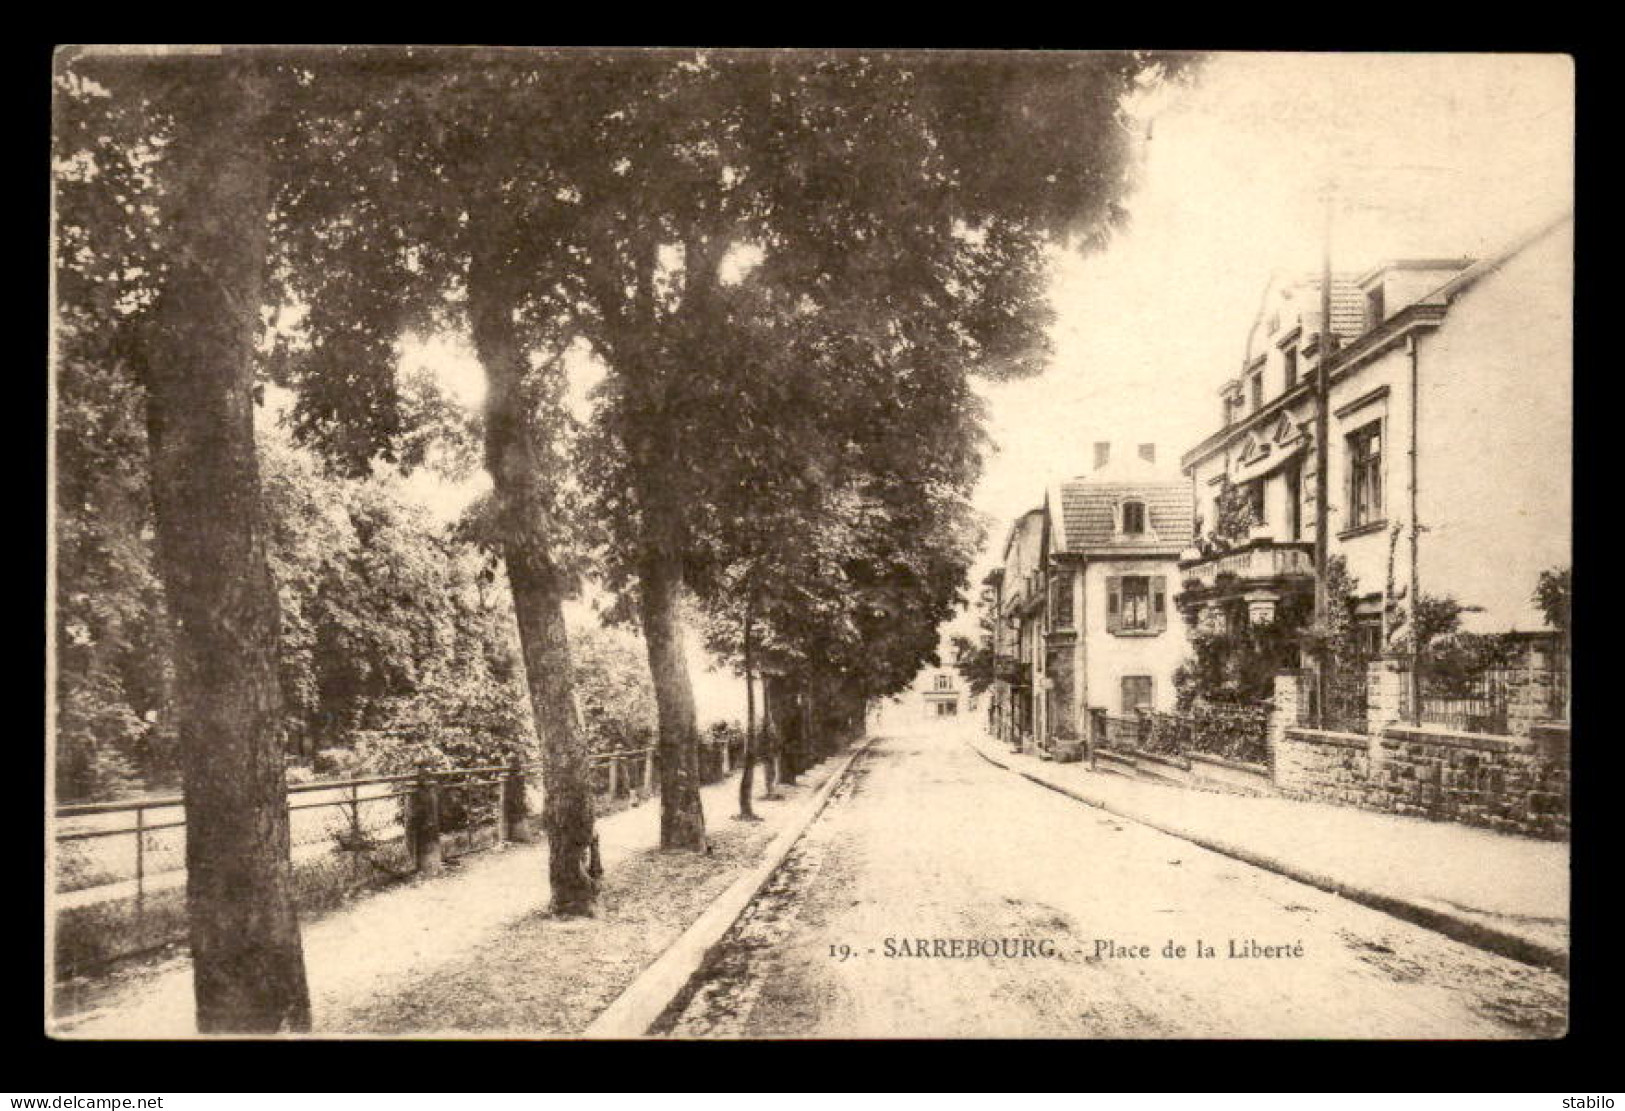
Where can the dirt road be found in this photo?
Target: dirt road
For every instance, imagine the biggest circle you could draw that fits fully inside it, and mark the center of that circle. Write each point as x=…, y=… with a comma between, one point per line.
x=928, y=859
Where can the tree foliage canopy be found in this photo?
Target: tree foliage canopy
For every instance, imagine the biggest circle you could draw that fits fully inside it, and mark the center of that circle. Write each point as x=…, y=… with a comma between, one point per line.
x=791, y=264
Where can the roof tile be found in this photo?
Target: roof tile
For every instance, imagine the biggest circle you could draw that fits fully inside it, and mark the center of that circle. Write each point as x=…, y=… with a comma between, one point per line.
x=1088, y=512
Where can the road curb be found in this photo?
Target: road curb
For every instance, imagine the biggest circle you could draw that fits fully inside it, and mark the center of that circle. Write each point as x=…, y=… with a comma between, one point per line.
x=1454, y=926
x=646, y=999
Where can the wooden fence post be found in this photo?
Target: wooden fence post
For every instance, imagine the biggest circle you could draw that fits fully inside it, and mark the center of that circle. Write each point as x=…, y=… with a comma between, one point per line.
x=140, y=859
x=614, y=762
x=502, y=807
x=423, y=823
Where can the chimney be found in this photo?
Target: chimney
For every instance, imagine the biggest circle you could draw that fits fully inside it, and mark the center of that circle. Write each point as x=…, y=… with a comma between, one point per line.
x=1103, y=453
x=1148, y=452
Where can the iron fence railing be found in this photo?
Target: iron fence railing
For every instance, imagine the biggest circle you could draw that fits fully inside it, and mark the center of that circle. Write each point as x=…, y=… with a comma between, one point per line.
x=1483, y=709
x=1344, y=686
x=1473, y=700
x=119, y=868
x=109, y=850
x=1488, y=700
x=141, y=844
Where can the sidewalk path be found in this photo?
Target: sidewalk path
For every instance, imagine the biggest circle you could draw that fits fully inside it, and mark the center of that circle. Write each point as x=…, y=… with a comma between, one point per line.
x=369, y=961
x=1505, y=893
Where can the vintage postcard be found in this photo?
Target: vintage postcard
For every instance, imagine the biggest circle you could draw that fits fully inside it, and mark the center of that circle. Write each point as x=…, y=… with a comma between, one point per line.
x=781, y=543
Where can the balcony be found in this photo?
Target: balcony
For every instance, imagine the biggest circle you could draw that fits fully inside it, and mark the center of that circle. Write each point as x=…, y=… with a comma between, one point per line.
x=1259, y=572
x=1256, y=559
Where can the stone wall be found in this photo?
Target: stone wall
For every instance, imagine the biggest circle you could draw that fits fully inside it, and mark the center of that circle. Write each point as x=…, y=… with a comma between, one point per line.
x=1501, y=783
x=1290, y=699
x=1386, y=691
x=1319, y=764
x=1508, y=784
x=1517, y=783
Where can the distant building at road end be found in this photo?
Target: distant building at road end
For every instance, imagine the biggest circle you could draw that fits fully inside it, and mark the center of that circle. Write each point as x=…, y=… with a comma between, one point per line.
x=940, y=694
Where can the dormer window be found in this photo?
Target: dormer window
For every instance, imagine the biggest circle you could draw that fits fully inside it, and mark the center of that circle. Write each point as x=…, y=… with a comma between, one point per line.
x=1133, y=518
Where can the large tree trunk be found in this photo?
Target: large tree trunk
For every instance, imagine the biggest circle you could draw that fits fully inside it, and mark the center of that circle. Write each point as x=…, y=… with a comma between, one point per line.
x=781, y=710
x=771, y=744
x=682, y=821
x=851, y=709
x=747, y=771
x=248, y=966
x=812, y=715
x=516, y=467
x=859, y=712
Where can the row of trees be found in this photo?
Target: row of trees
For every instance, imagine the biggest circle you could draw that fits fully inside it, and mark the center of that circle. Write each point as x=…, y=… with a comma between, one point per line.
x=788, y=265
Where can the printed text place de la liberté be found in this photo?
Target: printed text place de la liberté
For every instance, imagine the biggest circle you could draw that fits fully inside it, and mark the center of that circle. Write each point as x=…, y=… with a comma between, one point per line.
x=1097, y=949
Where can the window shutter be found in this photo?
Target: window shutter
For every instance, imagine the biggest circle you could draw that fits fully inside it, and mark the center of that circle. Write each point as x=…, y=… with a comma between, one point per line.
x=1159, y=602
x=1114, y=603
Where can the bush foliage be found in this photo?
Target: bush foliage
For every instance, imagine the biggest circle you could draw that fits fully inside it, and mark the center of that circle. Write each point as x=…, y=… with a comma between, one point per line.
x=397, y=643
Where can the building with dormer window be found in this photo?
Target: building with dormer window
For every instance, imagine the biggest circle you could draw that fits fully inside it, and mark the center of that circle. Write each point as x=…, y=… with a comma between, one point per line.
x=1083, y=602
x=1116, y=538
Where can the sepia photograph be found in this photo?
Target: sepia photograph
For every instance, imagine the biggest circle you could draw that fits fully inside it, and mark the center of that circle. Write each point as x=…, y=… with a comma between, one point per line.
x=740, y=544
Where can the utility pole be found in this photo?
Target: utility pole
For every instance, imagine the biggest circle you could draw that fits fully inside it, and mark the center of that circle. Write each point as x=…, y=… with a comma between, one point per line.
x=1322, y=452
x=1414, y=597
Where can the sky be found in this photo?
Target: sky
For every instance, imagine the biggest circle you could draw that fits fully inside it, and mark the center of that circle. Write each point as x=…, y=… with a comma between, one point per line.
x=1427, y=155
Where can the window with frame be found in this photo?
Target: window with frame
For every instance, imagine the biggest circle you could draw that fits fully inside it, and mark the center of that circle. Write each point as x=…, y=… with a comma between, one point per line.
x=1133, y=518
x=1255, y=501
x=945, y=682
x=1255, y=387
x=1293, y=477
x=1368, y=636
x=1060, y=600
x=1365, y=475
x=1136, y=603
x=1289, y=364
x=1137, y=692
